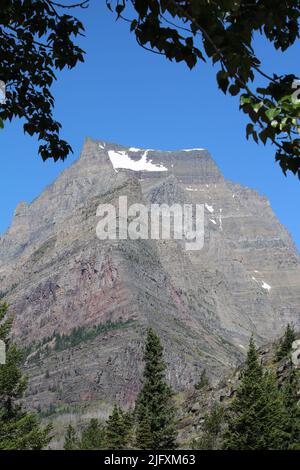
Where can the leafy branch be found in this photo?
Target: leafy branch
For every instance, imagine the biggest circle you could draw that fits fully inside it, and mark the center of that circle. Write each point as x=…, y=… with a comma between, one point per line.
x=36, y=40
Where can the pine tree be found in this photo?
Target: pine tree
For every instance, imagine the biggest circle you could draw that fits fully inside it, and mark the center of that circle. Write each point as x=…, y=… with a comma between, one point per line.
x=155, y=412
x=93, y=437
x=116, y=430
x=291, y=388
x=285, y=346
x=257, y=415
x=71, y=439
x=143, y=432
x=203, y=382
x=19, y=430
x=128, y=417
x=212, y=430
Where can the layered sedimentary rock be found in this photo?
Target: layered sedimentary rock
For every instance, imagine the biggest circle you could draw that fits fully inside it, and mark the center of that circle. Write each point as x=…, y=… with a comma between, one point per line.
x=81, y=306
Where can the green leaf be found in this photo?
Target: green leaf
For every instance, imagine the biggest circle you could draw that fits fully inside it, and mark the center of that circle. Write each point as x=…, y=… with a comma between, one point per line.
x=234, y=90
x=272, y=113
x=249, y=130
x=119, y=9
x=264, y=135
x=245, y=99
x=133, y=25
x=222, y=79
x=257, y=106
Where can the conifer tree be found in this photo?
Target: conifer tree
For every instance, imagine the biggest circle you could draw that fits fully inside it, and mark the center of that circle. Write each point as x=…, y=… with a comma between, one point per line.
x=212, y=430
x=291, y=389
x=143, y=432
x=71, y=439
x=128, y=417
x=203, y=382
x=19, y=430
x=285, y=346
x=155, y=412
x=93, y=437
x=257, y=415
x=116, y=430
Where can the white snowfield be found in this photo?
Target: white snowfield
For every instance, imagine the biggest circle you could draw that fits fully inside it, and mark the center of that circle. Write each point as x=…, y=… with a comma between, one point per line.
x=120, y=160
x=264, y=285
x=209, y=208
x=192, y=150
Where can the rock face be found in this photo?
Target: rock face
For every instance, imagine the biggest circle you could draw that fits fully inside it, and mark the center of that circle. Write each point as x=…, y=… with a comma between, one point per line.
x=81, y=306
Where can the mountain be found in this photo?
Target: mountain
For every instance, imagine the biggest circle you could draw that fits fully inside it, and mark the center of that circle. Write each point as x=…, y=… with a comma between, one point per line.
x=81, y=306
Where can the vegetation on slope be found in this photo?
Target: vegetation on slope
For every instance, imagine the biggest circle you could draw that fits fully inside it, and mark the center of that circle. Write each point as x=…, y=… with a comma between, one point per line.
x=262, y=411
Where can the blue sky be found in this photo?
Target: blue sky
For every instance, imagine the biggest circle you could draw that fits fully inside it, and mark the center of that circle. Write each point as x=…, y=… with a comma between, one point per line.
x=125, y=95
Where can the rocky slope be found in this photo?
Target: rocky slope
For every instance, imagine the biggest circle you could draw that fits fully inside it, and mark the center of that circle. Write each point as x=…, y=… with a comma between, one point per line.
x=193, y=405
x=81, y=306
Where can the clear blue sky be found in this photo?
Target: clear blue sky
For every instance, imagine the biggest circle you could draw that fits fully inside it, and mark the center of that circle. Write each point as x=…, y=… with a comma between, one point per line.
x=125, y=95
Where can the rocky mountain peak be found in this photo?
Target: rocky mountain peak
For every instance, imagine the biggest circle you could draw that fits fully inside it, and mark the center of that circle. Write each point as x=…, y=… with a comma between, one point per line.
x=81, y=306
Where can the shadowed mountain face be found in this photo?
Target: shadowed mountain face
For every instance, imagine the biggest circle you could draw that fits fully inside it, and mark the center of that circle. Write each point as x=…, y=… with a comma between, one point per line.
x=82, y=305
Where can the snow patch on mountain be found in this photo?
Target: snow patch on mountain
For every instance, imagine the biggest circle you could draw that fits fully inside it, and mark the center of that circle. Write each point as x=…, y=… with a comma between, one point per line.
x=209, y=208
x=266, y=286
x=120, y=159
